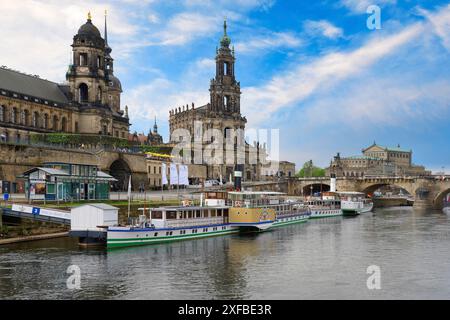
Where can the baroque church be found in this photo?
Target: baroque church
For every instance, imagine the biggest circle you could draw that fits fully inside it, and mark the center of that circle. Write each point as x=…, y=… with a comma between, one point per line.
x=88, y=103
x=222, y=113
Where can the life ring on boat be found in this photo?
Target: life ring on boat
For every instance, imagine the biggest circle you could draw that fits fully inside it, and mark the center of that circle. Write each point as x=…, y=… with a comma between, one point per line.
x=238, y=204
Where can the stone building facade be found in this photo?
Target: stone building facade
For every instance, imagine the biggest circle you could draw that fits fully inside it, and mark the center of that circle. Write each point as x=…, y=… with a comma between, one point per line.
x=377, y=160
x=88, y=103
x=196, y=173
x=223, y=114
x=281, y=169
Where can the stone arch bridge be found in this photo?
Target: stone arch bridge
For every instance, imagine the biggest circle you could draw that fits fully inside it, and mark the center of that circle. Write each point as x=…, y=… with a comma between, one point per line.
x=428, y=192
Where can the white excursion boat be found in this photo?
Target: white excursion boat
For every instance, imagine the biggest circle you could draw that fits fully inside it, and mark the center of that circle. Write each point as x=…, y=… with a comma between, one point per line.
x=355, y=203
x=324, y=208
x=175, y=223
x=328, y=205
x=286, y=212
x=168, y=224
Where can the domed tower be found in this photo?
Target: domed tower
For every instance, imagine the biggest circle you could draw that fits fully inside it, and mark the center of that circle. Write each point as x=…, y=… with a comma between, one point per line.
x=86, y=75
x=225, y=91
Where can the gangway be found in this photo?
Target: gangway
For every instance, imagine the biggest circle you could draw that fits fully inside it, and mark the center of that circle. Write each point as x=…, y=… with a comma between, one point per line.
x=37, y=214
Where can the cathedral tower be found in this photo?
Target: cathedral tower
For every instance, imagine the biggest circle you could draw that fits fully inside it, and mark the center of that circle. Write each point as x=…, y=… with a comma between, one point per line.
x=86, y=75
x=225, y=91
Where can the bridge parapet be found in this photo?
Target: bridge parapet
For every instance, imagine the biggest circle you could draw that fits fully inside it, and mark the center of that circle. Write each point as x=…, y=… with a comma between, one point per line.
x=428, y=191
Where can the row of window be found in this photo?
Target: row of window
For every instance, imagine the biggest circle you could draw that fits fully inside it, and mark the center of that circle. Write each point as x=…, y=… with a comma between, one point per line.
x=183, y=232
x=390, y=154
x=37, y=120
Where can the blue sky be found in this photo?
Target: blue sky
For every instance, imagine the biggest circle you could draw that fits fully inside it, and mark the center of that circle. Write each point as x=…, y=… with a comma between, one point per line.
x=309, y=68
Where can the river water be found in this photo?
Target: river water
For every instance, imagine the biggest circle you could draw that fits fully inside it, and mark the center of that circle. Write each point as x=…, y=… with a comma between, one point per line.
x=321, y=259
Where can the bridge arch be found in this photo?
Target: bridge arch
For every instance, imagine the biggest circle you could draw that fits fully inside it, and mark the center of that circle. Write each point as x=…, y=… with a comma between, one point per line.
x=313, y=188
x=438, y=201
x=368, y=190
x=120, y=170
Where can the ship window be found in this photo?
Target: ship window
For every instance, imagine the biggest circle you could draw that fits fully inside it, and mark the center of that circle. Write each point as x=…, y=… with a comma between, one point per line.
x=156, y=234
x=171, y=215
x=167, y=233
x=157, y=214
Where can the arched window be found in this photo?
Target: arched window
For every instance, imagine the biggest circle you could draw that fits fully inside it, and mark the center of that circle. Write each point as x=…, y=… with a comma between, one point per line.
x=35, y=119
x=27, y=118
x=55, y=123
x=83, y=59
x=23, y=118
x=14, y=115
x=64, y=124
x=2, y=113
x=99, y=94
x=45, y=122
x=83, y=93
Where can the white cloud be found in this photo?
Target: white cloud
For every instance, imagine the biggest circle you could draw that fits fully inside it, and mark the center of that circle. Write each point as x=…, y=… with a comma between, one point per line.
x=185, y=27
x=39, y=41
x=323, y=28
x=440, y=23
x=360, y=6
x=272, y=41
x=302, y=81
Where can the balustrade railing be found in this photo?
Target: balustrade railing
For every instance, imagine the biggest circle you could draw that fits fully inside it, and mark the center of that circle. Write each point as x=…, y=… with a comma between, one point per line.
x=193, y=222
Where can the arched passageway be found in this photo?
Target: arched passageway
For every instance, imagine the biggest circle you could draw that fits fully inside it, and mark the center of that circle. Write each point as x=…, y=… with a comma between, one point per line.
x=315, y=189
x=120, y=170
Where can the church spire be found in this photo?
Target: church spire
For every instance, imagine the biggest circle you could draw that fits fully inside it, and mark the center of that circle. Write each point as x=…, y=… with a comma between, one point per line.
x=106, y=28
x=107, y=47
x=225, y=42
x=155, y=127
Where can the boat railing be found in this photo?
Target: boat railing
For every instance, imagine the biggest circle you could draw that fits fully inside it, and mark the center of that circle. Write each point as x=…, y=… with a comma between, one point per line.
x=193, y=222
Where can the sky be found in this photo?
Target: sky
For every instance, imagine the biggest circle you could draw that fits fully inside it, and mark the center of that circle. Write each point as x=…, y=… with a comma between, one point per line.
x=312, y=69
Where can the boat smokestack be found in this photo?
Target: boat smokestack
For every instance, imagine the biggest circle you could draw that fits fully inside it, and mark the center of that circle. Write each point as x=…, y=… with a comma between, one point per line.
x=333, y=183
x=238, y=177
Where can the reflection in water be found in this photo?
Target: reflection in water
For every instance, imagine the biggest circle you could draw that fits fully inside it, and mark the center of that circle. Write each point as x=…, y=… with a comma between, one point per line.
x=324, y=259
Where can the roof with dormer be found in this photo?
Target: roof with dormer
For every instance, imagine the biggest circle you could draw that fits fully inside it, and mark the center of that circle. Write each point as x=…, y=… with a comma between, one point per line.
x=32, y=86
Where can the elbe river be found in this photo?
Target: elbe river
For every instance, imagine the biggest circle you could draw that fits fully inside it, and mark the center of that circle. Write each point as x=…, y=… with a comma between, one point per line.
x=320, y=259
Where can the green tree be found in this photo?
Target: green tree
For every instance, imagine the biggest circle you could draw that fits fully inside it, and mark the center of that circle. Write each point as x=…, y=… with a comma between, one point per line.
x=310, y=170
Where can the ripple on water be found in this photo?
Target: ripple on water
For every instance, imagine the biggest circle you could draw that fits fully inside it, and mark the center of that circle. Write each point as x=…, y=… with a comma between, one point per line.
x=325, y=259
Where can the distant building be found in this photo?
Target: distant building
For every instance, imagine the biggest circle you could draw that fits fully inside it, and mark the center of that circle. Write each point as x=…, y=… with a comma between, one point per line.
x=196, y=173
x=153, y=138
x=283, y=169
x=377, y=160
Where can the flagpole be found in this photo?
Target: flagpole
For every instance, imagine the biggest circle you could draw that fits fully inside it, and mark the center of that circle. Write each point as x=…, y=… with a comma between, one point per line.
x=178, y=183
x=129, y=196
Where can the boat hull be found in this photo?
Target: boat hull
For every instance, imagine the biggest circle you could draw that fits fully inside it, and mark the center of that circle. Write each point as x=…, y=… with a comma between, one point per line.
x=350, y=212
x=325, y=213
x=118, y=238
x=280, y=222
